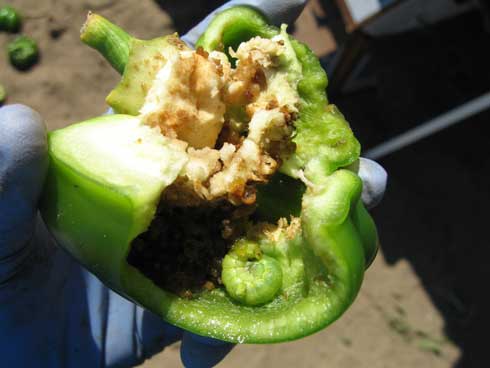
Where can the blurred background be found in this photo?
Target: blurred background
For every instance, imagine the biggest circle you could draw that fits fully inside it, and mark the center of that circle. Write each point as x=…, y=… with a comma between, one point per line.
x=412, y=78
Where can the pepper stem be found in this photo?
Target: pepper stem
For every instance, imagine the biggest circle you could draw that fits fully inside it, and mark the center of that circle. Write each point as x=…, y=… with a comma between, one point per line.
x=107, y=38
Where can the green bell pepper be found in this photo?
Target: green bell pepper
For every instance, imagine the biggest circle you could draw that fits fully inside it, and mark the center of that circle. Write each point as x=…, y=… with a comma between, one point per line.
x=107, y=175
x=23, y=52
x=3, y=94
x=10, y=19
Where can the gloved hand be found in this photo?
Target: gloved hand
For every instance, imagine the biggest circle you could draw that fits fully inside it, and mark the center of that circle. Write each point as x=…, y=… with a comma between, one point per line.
x=53, y=313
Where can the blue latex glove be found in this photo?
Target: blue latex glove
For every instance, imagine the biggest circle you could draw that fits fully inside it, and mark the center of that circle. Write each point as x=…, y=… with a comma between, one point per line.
x=54, y=313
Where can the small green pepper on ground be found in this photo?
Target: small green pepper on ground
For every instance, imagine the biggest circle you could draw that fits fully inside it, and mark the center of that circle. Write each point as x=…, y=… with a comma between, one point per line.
x=10, y=19
x=3, y=94
x=23, y=52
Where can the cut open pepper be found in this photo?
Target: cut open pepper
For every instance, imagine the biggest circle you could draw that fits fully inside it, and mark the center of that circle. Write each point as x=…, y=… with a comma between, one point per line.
x=292, y=252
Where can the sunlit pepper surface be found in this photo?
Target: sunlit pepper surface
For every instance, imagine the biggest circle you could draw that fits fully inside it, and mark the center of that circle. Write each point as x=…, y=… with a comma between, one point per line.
x=276, y=288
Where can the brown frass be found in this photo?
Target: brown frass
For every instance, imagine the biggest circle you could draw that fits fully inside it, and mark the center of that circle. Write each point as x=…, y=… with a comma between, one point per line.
x=183, y=248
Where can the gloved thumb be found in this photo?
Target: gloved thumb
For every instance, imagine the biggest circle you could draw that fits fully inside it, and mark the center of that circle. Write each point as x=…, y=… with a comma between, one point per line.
x=374, y=179
x=203, y=352
x=23, y=165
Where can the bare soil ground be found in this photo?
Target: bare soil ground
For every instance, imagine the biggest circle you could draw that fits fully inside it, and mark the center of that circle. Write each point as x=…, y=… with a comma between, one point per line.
x=393, y=323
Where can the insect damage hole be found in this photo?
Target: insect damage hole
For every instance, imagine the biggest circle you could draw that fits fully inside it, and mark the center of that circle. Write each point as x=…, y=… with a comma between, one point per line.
x=183, y=248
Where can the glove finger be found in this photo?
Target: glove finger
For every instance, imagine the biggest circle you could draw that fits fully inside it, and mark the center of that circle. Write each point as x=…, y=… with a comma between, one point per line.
x=277, y=11
x=197, y=351
x=374, y=179
x=154, y=334
x=23, y=165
